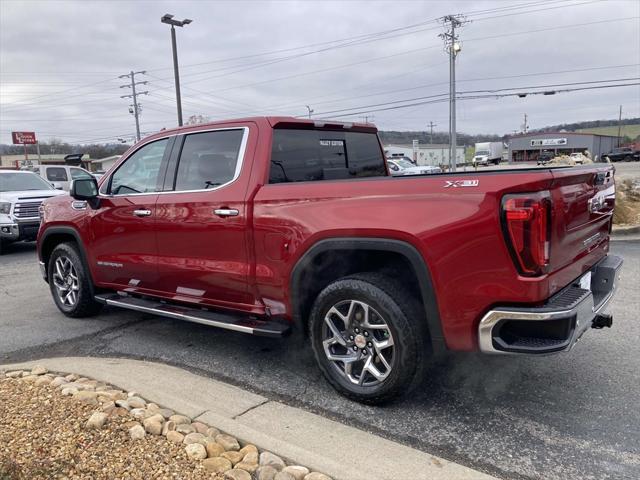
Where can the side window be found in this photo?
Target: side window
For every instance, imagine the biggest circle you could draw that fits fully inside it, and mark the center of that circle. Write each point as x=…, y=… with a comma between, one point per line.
x=311, y=155
x=79, y=173
x=139, y=173
x=57, y=174
x=208, y=159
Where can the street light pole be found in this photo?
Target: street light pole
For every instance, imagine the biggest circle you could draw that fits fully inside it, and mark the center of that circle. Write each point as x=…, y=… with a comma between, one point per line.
x=168, y=19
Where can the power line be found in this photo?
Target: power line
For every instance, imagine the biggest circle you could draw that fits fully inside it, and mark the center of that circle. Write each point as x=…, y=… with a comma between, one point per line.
x=473, y=97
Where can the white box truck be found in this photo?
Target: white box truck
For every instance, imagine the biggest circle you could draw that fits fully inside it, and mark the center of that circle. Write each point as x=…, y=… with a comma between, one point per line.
x=488, y=153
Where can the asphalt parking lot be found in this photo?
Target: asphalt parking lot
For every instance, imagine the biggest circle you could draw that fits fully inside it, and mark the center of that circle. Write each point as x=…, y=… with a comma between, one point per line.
x=569, y=416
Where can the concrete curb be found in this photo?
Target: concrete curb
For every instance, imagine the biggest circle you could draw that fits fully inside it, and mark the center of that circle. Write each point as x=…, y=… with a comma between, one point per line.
x=624, y=231
x=321, y=444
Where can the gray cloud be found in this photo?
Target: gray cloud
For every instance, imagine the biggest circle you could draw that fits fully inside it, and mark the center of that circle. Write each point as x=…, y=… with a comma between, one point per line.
x=59, y=62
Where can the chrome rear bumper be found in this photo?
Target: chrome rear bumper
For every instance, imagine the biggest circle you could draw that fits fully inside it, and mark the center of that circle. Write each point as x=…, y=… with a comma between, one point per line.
x=555, y=326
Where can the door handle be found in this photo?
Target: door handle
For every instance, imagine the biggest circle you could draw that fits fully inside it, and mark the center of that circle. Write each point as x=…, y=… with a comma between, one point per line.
x=142, y=213
x=226, y=212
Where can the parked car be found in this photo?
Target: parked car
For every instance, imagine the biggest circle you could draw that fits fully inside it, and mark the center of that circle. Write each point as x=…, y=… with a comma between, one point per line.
x=626, y=154
x=545, y=157
x=578, y=158
x=266, y=226
x=61, y=176
x=400, y=167
x=21, y=194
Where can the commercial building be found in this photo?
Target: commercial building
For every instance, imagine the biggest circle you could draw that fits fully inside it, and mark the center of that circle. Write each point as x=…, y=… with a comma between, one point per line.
x=528, y=147
x=426, y=154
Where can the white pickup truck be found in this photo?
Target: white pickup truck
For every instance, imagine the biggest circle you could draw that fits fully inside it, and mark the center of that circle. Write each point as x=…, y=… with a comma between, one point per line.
x=21, y=194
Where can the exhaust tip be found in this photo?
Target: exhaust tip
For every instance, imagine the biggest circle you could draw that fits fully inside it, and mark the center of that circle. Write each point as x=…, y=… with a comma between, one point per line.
x=602, y=320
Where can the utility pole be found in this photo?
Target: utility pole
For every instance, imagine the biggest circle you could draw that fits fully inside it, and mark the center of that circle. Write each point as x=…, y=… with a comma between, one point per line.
x=619, y=125
x=310, y=110
x=431, y=125
x=452, y=47
x=168, y=19
x=134, y=96
x=525, y=125
x=365, y=118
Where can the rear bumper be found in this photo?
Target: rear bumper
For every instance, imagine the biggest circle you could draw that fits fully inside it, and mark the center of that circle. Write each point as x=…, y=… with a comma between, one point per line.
x=558, y=324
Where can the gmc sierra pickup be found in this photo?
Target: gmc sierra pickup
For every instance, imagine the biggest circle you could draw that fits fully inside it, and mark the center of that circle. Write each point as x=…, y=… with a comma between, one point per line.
x=275, y=225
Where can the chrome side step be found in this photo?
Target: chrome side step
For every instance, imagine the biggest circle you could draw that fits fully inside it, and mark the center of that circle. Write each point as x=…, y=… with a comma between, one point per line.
x=240, y=323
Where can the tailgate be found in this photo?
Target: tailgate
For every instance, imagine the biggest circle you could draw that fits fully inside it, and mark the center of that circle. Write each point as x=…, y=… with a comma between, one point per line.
x=583, y=199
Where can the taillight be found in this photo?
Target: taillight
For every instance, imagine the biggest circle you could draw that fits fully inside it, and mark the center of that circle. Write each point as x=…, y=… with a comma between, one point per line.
x=527, y=219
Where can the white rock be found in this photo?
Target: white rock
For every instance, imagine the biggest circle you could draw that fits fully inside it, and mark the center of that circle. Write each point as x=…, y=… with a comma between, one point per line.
x=137, y=432
x=58, y=381
x=69, y=391
x=196, y=451
x=268, y=458
x=14, y=374
x=284, y=476
x=266, y=473
x=39, y=370
x=97, y=420
x=298, y=472
x=180, y=419
x=316, y=476
x=123, y=404
x=138, y=412
x=136, y=402
x=195, y=438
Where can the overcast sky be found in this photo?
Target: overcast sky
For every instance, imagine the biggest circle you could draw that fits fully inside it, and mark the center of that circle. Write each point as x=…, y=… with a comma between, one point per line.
x=59, y=62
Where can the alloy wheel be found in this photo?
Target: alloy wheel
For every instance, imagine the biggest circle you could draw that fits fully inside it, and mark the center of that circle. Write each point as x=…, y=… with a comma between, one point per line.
x=65, y=279
x=358, y=343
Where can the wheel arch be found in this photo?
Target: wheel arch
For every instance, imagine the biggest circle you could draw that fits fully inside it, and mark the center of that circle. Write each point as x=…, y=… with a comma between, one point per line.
x=304, y=288
x=56, y=235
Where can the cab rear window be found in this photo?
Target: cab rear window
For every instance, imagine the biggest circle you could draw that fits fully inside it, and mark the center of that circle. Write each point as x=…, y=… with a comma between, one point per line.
x=314, y=155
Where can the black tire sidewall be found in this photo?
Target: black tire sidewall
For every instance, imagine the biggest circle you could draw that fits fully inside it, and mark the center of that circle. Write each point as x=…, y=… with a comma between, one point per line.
x=85, y=296
x=407, y=353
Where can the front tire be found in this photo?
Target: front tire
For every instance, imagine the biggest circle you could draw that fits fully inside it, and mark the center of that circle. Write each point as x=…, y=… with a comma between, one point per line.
x=366, y=337
x=70, y=282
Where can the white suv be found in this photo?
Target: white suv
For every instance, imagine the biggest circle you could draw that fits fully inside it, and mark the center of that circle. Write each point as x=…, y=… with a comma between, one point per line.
x=21, y=194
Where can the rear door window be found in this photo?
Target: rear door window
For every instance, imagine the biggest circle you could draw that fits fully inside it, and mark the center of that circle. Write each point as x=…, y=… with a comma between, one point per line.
x=209, y=159
x=57, y=174
x=313, y=155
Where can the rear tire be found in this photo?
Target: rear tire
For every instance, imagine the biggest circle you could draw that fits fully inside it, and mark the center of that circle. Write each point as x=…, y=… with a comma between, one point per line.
x=367, y=337
x=70, y=282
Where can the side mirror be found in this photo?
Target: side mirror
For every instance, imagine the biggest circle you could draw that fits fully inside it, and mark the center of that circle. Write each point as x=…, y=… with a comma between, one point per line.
x=85, y=189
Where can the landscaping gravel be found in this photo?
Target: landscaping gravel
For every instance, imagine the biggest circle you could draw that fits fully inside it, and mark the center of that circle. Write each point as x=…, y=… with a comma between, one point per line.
x=65, y=427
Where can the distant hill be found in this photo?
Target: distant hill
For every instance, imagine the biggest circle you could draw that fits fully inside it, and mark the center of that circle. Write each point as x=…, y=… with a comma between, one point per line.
x=630, y=130
x=630, y=127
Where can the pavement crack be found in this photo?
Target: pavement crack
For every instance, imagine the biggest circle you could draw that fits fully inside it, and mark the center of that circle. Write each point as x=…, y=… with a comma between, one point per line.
x=266, y=400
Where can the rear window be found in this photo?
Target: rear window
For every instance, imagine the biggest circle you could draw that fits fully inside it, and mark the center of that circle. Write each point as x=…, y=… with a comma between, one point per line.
x=311, y=155
x=57, y=174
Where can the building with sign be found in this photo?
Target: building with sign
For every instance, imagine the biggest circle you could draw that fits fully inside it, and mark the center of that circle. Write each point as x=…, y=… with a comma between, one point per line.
x=528, y=147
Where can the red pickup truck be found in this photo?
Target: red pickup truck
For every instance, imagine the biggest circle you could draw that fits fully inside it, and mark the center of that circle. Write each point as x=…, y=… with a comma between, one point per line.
x=275, y=225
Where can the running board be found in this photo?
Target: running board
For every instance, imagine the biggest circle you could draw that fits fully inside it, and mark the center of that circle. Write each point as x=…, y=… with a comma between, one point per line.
x=239, y=323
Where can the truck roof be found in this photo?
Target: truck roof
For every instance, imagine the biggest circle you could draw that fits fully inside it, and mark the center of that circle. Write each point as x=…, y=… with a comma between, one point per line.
x=273, y=121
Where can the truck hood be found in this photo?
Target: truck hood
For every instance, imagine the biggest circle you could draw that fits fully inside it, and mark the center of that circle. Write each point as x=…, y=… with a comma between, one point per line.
x=35, y=195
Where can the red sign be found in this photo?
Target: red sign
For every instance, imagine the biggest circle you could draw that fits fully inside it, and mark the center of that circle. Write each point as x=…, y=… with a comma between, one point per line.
x=23, y=138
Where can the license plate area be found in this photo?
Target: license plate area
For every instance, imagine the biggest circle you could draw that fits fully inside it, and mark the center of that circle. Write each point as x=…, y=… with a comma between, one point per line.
x=585, y=281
